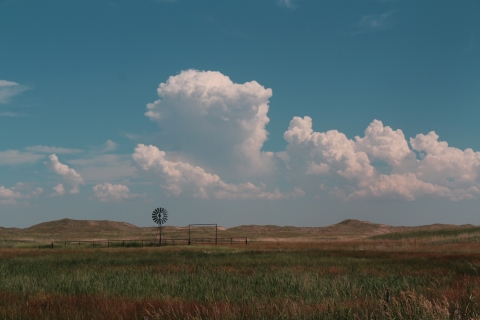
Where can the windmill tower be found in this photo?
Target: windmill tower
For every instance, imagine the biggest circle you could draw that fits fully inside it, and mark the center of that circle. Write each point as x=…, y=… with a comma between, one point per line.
x=159, y=216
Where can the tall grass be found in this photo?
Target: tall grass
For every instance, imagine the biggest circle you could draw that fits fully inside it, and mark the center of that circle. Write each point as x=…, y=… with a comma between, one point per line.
x=423, y=234
x=299, y=282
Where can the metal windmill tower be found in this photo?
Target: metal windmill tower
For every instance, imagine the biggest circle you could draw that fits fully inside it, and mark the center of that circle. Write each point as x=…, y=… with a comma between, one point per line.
x=160, y=216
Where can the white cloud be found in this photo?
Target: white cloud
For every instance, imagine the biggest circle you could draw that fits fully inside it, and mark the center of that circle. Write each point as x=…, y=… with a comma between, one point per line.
x=58, y=190
x=181, y=177
x=213, y=127
x=107, y=192
x=70, y=176
x=333, y=149
x=109, y=145
x=383, y=143
x=9, y=89
x=199, y=106
x=348, y=165
x=9, y=193
x=287, y=3
x=5, y=83
x=374, y=22
x=13, y=157
x=404, y=186
x=17, y=192
x=53, y=149
x=446, y=165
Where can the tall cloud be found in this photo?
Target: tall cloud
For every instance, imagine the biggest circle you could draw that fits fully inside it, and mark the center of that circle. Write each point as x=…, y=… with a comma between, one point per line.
x=70, y=176
x=213, y=131
x=214, y=122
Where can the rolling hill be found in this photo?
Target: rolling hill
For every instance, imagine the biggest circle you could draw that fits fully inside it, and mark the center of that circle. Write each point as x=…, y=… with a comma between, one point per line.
x=69, y=229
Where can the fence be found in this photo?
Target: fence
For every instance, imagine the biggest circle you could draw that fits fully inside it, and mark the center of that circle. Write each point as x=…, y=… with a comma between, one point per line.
x=142, y=243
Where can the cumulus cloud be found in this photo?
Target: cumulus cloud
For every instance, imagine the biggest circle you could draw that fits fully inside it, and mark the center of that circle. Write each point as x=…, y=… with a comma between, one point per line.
x=181, y=177
x=58, y=190
x=9, y=196
x=348, y=165
x=199, y=106
x=213, y=131
x=107, y=192
x=52, y=149
x=446, y=165
x=19, y=191
x=9, y=89
x=331, y=150
x=383, y=143
x=71, y=178
x=13, y=157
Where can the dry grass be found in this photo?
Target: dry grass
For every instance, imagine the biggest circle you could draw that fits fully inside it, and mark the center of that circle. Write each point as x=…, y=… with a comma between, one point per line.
x=309, y=280
x=301, y=273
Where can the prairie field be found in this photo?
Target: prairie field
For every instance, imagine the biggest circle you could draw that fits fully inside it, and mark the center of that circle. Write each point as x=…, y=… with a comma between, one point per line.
x=399, y=278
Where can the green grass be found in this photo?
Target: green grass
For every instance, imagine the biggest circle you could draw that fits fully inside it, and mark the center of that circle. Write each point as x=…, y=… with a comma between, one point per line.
x=270, y=282
x=423, y=234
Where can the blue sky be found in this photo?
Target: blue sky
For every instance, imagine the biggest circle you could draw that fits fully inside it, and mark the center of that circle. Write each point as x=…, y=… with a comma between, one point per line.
x=292, y=112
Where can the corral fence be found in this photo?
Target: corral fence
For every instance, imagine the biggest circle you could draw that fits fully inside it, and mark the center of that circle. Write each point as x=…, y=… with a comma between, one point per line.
x=130, y=243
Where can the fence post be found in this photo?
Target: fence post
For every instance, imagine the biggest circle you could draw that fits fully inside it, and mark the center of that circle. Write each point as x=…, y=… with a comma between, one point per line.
x=123, y=243
x=246, y=241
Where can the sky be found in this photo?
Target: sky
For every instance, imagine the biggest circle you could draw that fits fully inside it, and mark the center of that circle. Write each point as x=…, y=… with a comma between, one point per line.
x=284, y=112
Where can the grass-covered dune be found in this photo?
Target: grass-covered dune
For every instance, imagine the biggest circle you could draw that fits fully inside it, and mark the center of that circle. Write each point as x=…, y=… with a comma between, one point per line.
x=69, y=229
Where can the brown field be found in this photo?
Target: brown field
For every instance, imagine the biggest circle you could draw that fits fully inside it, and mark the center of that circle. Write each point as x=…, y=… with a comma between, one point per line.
x=352, y=270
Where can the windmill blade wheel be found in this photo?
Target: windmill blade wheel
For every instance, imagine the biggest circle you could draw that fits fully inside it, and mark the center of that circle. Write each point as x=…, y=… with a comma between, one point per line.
x=160, y=215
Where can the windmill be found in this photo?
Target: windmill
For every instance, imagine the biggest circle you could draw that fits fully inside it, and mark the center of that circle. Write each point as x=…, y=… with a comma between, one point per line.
x=160, y=216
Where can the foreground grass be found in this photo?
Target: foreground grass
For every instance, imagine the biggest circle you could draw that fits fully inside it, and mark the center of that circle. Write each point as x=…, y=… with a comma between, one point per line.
x=258, y=281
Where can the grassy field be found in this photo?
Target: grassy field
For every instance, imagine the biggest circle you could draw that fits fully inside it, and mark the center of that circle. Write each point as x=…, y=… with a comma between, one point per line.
x=468, y=232
x=310, y=280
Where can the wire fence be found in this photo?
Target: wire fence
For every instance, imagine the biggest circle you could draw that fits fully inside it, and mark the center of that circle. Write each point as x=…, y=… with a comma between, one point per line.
x=131, y=243
x=125, y=243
